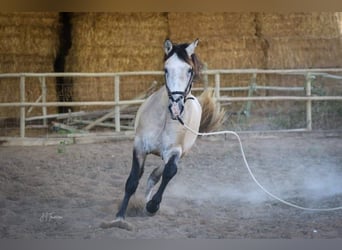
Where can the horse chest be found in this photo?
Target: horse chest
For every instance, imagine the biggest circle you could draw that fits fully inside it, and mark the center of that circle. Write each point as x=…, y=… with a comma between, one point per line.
x=159, y=140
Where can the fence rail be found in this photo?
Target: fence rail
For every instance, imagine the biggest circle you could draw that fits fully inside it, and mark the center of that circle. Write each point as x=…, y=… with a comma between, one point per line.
x=42, y=102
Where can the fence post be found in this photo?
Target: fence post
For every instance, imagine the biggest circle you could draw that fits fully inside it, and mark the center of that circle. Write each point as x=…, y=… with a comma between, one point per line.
x=44, y=91
x=308, y=79
x=117, y=100
x=217, y=88
x=252, y=88
x=22, y=108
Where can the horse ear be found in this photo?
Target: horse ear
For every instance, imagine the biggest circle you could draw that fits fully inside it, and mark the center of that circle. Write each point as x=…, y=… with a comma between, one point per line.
x=191, y=48
x=167, y=46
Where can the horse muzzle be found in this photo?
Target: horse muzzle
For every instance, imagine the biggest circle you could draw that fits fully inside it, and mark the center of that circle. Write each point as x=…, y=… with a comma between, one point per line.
x=176, y=109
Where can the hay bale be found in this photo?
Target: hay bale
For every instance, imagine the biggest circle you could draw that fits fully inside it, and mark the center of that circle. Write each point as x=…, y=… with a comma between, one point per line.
x=122, y=42
x=301, y=40
x=232, y=53
x=304, y=53
x=301, y=25
x=115, y=42
x=112, y=42
x=28, y=43
x=188, y=26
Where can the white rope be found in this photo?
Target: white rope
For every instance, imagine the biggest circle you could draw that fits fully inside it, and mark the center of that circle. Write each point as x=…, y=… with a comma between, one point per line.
x=252, y=175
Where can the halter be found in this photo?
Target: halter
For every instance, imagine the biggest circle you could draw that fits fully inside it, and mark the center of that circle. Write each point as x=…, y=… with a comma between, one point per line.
x=183, y=94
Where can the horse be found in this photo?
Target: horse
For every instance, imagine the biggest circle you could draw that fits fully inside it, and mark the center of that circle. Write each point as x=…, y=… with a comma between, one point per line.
x=159, y=130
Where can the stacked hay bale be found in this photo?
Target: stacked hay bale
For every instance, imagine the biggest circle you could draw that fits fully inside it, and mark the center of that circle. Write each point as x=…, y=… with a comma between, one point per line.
x=28, y=43
x=227, y=41
x=302, y=40
x=115, y=42
x=299, y=40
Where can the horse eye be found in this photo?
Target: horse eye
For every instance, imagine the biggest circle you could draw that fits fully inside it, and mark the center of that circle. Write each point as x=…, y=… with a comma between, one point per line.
x=166, y=71
x=190, y=71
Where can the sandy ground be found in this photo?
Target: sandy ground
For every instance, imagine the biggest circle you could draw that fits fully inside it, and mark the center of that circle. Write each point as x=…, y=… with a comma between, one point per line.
x=67, y=191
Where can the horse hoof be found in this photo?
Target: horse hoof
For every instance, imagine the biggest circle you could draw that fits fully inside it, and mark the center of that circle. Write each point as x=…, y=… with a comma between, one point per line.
x=119, y=223
x=152, y=207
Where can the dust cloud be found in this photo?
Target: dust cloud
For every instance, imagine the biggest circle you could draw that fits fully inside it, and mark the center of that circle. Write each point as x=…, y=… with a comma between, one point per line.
x=307, y=181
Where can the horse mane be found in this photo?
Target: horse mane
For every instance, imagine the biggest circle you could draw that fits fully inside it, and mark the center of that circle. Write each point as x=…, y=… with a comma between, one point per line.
x=180, y=51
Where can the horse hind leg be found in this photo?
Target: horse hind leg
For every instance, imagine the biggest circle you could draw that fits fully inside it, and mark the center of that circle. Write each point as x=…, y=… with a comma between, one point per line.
x=153, y=179
x=169, y=172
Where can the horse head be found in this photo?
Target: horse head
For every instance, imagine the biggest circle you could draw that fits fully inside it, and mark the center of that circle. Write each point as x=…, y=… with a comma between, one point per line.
x=181, y=67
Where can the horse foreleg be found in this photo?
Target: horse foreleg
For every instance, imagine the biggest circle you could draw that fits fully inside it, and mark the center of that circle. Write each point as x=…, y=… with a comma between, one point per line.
x=170, y=171
x=132, y=182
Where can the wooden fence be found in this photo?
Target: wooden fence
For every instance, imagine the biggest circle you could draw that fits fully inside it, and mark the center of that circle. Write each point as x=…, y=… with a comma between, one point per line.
x=42, y=102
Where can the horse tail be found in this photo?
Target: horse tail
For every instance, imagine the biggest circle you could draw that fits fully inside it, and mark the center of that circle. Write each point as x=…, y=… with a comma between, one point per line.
x=212, y=115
